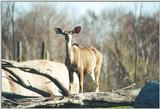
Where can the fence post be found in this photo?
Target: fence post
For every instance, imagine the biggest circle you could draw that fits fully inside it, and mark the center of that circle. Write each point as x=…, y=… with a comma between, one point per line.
x=44, y=52
x=19, y=51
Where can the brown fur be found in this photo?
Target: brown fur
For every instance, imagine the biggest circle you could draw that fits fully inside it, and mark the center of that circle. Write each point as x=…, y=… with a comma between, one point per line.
x=87, y=60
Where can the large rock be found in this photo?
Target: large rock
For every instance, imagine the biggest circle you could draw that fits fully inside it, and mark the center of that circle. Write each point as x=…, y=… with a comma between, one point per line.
x=148, y=96
x=39, y=83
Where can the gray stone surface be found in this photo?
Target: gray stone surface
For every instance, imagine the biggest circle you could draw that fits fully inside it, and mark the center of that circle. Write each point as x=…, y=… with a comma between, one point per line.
x=148, y=96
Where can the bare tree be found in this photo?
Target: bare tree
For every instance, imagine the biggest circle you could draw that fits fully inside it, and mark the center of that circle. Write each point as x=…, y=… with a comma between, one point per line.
x=135, y=36
x=11, y=8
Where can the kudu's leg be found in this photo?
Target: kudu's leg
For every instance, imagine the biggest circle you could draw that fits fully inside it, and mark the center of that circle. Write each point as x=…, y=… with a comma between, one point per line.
x=70, y=81
x=93, y=76
x=97, y=71
x=81, y=81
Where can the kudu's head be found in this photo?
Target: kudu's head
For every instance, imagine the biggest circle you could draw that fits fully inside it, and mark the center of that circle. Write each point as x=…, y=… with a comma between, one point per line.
x=68, y=34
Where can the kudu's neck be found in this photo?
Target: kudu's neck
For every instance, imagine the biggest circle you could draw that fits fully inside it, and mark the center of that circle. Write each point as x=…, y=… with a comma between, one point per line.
x=69, y=51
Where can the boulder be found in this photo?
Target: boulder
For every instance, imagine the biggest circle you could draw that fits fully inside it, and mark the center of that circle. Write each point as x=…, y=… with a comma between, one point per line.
x=34, y=84
x=148, y=96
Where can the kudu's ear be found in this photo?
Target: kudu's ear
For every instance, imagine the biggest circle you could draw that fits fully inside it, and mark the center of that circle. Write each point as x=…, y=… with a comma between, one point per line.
x=58, y=30
x=77, y=29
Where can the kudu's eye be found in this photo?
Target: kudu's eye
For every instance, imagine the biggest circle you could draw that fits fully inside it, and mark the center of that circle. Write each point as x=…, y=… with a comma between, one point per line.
x=58, y=30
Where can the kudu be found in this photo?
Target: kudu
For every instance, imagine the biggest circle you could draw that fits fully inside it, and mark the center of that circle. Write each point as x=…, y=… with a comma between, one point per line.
x=82, y=60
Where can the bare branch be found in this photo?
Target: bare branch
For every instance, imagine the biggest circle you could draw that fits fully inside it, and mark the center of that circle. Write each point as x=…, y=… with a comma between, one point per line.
x=19, y=81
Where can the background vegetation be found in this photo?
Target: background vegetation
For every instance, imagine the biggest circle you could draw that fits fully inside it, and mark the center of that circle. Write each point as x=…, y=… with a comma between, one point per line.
x=128, y=40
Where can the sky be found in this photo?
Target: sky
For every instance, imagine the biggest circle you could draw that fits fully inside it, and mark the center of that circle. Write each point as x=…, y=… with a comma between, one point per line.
x=81, y=7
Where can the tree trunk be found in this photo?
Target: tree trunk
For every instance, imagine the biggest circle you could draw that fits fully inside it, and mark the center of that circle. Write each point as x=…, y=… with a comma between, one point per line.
x=90, y=99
